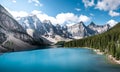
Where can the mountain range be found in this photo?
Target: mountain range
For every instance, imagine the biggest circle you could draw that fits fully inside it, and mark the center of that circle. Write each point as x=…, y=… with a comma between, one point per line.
x=24, y=33
x=55, y=33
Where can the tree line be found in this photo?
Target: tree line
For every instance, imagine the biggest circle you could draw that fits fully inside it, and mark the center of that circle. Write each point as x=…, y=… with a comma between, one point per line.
x=108, y=42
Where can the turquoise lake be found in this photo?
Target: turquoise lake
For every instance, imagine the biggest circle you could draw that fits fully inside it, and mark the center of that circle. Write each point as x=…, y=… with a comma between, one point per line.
x=56, y=60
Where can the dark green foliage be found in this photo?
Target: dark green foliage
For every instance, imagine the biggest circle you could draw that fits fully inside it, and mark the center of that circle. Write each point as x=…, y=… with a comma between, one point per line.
x=108, y=42
x=60, y=43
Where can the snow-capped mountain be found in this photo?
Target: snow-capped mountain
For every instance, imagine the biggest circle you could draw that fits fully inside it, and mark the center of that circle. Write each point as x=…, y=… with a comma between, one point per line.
x=13, y=36
x=79, y=30
x=55, y=33
x=62, y=31
x=46, y=29
x=99, y=28
x=112, y=23
x=49, y=28
x=31, y=23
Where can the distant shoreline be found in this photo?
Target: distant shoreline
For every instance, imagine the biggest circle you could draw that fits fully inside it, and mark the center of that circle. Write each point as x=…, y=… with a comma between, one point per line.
x=110, y=57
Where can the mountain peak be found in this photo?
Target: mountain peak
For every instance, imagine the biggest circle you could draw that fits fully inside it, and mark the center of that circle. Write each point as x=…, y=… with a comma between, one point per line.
x=81, y=22
x=92, y=23
x=57, y=25
x=47, y=21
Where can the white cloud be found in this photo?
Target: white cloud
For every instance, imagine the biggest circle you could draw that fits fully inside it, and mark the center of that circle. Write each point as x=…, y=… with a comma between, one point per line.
x=78, y=9
x=113, y=13
x=108, y=5
x=43, y=16
x=88, y=3
x=16, y=14
x=36, y=2
x=62, y=18
x=84, y=18
x=36, y=12
x=112, y=22
x=66, y=18
x=70, y=18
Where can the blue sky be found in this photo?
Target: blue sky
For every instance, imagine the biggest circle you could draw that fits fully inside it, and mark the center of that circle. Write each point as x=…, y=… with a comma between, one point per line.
x=67, y=11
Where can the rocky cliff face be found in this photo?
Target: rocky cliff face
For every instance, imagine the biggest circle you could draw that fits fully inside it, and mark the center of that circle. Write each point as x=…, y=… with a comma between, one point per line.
x=99, y=28
x=13, y=36
x=79, y=30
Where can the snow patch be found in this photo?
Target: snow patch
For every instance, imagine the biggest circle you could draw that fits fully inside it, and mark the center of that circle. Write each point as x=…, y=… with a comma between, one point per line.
x=30, y=32
x=112, y=22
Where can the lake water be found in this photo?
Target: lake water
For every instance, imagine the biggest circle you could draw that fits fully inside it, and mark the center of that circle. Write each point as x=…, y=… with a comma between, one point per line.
x=56, y=60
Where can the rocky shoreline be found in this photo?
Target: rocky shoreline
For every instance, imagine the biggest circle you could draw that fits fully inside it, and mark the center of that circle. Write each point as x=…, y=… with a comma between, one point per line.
x=110, y=57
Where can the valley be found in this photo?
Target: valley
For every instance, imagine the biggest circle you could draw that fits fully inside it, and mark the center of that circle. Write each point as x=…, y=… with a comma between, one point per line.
x=59, y=36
